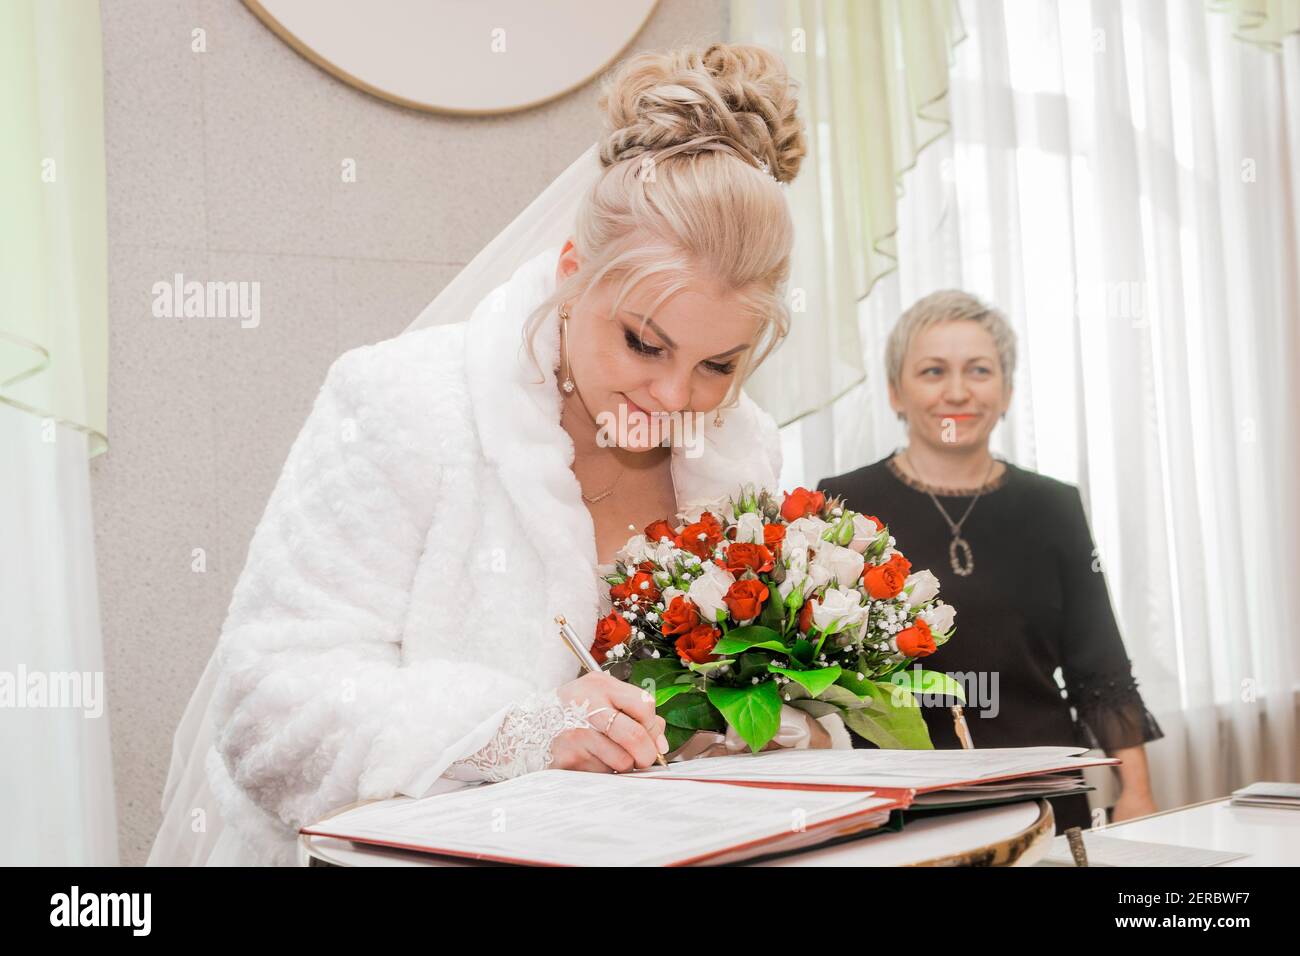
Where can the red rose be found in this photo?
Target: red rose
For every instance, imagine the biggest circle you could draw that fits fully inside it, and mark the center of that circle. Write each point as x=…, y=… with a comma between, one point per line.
x=643, y=588
x=619, y=593
x=753, y=557
x=681, y=616
x=701, y=537
x=916, y=641
x=611, y=630
x=657, y=530
x=903, y=565
x=883, y=581
x=805, y=617
x=880, y=525
x=801, y=503
x=773, y=535
x=696, y=645
x=744, y=599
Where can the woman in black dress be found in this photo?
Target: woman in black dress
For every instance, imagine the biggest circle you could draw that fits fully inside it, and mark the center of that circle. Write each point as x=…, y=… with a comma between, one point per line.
x=1013, y=552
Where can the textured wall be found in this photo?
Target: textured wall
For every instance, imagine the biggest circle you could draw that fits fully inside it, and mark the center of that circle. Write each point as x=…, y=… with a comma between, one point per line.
x=225, y=165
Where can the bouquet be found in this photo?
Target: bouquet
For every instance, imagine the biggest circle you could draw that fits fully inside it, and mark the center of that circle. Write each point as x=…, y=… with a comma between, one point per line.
x=757, y=602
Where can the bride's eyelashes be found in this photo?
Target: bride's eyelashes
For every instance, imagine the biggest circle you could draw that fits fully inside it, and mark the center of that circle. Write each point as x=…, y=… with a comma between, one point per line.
x=653, y=351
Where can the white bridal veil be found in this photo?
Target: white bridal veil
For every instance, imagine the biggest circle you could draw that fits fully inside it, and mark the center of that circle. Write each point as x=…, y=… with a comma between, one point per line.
x=547, y=222
x=192, y=832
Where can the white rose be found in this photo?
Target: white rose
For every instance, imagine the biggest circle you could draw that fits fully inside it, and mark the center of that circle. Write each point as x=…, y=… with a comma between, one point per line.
x=634, y=552
x=810, y=528
x=839, y=607
x=865, y=533
x=819, y=575
x=669, y=593
x=793, y=578
x=664, y=553
x=939, y=617
x=708, y=590
x=749, y=528
x=844, y=565
x=795, y=547
x=924, y=586
x=721, y=508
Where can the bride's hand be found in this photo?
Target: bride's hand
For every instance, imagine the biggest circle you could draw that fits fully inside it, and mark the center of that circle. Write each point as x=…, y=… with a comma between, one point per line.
x=627, y=734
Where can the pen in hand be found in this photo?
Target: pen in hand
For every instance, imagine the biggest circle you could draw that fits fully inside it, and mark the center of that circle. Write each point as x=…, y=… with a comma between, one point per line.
x=586, y=660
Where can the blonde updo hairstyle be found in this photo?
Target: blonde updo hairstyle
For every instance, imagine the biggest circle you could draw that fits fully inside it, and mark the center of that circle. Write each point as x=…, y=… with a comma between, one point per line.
x=682, y=196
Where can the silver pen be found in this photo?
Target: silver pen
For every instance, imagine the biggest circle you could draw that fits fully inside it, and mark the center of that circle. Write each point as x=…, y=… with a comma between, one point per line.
x=586, y=660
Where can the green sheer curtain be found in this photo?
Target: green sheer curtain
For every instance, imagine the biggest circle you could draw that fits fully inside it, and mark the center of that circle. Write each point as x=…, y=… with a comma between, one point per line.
x=873, y=87
x=1263, y=22
x=53, y=231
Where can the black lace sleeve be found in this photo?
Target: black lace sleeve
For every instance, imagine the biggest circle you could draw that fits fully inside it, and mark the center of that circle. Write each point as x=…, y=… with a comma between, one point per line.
x=1111, y=712
x=1098, y=676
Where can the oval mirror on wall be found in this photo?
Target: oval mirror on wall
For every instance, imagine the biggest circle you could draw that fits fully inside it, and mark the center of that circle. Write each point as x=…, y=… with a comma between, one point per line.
x=458, y=56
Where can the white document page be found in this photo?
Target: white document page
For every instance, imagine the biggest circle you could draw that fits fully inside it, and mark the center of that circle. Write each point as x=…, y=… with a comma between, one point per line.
x=591, y=819
x=918, y=769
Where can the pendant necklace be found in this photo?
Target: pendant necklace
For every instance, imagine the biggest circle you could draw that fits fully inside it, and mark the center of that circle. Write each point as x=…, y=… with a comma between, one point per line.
x=964, y=567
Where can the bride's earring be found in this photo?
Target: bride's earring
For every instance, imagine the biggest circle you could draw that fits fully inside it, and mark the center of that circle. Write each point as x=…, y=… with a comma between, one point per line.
x=567, y=383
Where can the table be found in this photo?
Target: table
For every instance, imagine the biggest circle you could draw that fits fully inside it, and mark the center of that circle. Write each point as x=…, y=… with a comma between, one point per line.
x=1271, y=836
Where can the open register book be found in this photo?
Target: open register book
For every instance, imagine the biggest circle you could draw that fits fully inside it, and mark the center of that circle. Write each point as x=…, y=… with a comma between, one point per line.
x=711, y=810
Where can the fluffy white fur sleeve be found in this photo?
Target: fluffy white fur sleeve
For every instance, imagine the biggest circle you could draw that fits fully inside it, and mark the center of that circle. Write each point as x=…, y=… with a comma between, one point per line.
x=315, y=706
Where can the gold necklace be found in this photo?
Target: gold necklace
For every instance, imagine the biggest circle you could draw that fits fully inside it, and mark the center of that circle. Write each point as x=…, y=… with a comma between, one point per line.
x=958, y=543
x=592, y=499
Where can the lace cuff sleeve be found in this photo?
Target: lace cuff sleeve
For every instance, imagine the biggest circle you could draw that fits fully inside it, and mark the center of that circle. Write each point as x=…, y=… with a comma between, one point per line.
x=522, y=743
x=1111, y=712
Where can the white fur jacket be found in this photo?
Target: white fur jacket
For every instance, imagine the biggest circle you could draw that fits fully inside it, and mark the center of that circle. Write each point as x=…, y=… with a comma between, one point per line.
x=401, y=586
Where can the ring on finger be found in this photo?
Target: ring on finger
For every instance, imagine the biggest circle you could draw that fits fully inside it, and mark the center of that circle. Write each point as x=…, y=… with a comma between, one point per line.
x=613, y=717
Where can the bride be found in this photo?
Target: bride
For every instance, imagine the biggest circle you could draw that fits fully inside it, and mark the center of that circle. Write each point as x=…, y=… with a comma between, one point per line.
x=453, y=488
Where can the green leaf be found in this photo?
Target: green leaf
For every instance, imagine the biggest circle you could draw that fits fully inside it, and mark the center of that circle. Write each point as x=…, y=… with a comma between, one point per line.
x=692, y=711
x=773, y=615
x=794, y=691
x=901, y=729
x=817, y=708
x=709, y=666
x=754, y=711
x=889, y=726
x=750, y=664
x=663, y=672
x=749, y=636
x=665, y=693
x=850, y=680
x=677, y=736
x=847, y=699
x=802, y=651
x=920, y=681
x=816, y=681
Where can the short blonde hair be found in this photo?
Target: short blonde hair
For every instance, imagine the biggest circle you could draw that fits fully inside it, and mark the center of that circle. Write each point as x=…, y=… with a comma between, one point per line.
x=682, y=198
x=950, y=305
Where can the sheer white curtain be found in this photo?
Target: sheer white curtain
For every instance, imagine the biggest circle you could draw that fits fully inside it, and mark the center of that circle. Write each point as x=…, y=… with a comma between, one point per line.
x=1122, y=180
x=57, y=803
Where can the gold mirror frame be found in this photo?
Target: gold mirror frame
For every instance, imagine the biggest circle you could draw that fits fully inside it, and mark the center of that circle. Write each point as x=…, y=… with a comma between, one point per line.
x=345, y=38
